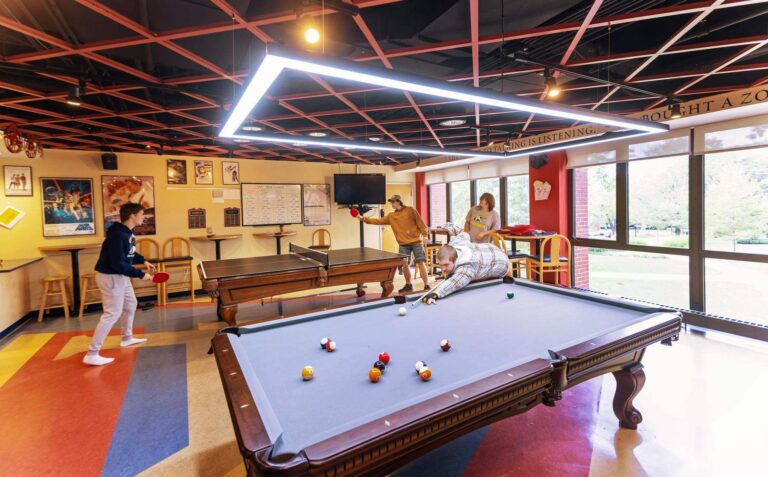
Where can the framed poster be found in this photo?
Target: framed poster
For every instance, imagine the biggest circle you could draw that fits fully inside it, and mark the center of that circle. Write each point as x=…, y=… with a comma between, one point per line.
x=176, y=171
x=271, y=204
x=119, y=190
x=203, y=172
x=230, y=173
x=317, y=204
x=17, y=180
x=67, y=206
x=10, y=216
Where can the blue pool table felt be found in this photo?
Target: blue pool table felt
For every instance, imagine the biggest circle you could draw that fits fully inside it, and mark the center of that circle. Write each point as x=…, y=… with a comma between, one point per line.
x=489, y=333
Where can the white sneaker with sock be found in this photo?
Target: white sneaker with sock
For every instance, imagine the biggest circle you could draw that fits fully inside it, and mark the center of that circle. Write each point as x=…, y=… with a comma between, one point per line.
x=96, y=360
x=132, y=341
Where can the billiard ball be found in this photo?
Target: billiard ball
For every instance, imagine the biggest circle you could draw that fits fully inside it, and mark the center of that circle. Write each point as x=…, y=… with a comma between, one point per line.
x=425, y=373
x=384, y=358
x=324, y=343
x=419, y=365
x=330, y=346
x=380, y=366
x=374, y=375
x=510, y=294
x=402, y=311
x=307, y=373
x=445, y=345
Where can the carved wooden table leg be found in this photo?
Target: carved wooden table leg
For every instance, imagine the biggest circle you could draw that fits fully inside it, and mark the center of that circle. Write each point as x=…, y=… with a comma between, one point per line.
x=629, y=382
x=360, y=290
x=386, y=288
x=229, y=314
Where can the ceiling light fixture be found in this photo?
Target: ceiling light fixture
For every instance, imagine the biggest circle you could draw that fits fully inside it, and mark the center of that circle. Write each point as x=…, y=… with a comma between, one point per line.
x=275, y=62
x=252, y=128
x=76, y=94
x=242, y=140
x=550, y=85
x=311, y=35
x=675, y=110
x=453, y=122
x=374, y=138
x=318, y=134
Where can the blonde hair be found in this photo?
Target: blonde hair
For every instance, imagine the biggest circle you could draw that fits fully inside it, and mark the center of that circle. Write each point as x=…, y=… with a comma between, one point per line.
x=447, y=252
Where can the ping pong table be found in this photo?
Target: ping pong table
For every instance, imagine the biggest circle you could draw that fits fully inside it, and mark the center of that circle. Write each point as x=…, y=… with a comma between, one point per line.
x=239, y=280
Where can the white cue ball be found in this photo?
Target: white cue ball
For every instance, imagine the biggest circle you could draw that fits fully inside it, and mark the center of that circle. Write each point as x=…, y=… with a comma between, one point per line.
x=402, y=311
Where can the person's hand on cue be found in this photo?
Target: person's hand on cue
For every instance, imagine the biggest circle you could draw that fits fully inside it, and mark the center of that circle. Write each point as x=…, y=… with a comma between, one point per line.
x=430, y=298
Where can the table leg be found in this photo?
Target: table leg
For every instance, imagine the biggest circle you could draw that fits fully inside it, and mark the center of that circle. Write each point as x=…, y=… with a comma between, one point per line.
x=75, y=280
x=218, y=249
x=360, y=290
x=629, y=382
x=386, y=288
x=277, y=239
x=229, y=314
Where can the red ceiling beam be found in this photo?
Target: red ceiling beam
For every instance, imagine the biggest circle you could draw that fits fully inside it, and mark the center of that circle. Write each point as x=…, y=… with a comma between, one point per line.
x=474, y=28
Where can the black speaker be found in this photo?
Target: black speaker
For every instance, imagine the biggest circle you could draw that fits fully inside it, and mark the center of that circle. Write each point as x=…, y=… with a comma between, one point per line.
x=538, y=161
x=109, y=161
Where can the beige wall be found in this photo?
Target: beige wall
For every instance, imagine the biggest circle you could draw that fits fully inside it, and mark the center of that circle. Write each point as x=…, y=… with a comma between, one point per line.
x=172, y=203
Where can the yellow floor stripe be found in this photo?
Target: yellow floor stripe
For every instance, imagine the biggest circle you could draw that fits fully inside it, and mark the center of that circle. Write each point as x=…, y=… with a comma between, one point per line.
x=18, y=352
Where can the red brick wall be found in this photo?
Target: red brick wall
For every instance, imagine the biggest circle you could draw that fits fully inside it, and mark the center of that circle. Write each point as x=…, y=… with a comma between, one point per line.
x=581, y=220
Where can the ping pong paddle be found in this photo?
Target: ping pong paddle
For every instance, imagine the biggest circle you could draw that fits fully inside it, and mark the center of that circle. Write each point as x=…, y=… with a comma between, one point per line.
x=354, y=212
x=161, y=277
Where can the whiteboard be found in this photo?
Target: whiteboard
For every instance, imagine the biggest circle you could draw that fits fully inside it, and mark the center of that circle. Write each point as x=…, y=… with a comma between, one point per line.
x=271, y=204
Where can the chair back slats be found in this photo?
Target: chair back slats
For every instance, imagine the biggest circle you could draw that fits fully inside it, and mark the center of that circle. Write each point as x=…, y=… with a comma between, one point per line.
x=322, y=238
x=148, y=248
x=177, y=247
x=499, y=241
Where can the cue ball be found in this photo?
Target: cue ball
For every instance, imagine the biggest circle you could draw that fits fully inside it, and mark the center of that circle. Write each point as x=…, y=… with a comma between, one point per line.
x=374, y=375
x=384, y=358
x=445, y=345
x=324, y=343
x=402, y=311
x=330, y=346
x=425, y=374
x=307, y=373
x=419, y=365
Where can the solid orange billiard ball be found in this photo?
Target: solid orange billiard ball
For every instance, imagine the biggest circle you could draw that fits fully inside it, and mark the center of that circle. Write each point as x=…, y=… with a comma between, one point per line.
x=374, y=375
x=425, y=373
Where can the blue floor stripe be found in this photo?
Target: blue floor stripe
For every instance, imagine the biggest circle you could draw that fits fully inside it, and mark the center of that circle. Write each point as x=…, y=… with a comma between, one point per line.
x=153, y=420
x=450, y=460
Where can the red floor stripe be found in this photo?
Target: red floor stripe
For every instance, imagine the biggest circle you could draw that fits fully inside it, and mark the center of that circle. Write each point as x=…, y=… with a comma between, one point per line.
x=543, y=441
x=58, y=415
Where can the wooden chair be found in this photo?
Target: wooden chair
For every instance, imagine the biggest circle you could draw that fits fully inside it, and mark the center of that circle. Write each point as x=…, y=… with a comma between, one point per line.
x=61, y=290
x=430, y=250
x=554, y=259
x=88, y=287
x=149, y=249
x=323, y=242
x=176, y=257
x=514, y=264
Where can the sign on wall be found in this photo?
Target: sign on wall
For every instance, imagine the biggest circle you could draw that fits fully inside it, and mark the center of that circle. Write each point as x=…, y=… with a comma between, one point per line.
x=67, y=206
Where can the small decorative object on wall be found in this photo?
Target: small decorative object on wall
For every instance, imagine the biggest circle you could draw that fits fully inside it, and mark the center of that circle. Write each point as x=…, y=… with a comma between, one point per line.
x=10, y=216
x=317, y=204
x=541, y=190
x=232, y=217
x=119, y=190
x=203, y=172
x=67, y=207
x=14, y=142
x=32, y=147
x=230, y=173
x=17, y=180
x=196, y=218
x=176, y=171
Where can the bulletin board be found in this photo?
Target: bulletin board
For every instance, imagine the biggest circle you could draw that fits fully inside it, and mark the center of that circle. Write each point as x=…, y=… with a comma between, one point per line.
x=271, y=204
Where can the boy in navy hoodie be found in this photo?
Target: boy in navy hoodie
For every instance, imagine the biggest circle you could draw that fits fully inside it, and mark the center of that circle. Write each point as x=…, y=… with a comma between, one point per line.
x=114, y=271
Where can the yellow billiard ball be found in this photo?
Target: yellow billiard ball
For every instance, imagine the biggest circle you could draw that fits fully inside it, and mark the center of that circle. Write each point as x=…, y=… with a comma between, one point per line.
x=307, y=373
x=374, y=375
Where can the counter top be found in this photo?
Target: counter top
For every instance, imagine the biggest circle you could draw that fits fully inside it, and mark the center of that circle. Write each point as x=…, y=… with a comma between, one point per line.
x=10, y=265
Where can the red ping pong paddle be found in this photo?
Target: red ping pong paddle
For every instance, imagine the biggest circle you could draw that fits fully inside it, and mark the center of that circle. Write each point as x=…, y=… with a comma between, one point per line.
x=354, y=212
x=161, y=277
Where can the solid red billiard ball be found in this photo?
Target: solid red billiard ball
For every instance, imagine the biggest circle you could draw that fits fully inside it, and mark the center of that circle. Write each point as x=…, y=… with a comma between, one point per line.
x=384, y=358
x=445, y=345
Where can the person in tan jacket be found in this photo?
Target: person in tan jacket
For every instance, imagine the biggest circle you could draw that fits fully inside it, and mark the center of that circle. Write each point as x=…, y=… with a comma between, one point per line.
x=409, y=229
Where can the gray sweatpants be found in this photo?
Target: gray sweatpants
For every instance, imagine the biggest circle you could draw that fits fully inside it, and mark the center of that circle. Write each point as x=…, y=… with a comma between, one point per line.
x=119, y=301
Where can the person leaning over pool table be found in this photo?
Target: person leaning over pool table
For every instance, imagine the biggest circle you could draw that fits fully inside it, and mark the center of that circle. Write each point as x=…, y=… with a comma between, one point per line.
x=464, y=262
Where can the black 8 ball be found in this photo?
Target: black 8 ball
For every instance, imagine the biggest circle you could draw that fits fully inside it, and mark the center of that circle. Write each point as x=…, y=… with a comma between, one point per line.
x=379, y=365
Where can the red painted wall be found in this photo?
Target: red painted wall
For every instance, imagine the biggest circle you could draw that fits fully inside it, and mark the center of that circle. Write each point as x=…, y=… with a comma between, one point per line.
x=421, y=198
x=551, y=214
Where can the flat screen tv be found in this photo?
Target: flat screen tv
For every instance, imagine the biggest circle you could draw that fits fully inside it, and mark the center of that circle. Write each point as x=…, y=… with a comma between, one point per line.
x=354, y=189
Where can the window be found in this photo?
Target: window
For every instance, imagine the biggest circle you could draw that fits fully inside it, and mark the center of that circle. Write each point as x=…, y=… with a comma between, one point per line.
x=518, y=202
x=658, y=202
x=487, y=185
x=736, y=201
x=737, y=289
x=653, y=277
x=664, y=147
x=733, y=138
x=437, y=205
x=460, y=202
x=595, y=201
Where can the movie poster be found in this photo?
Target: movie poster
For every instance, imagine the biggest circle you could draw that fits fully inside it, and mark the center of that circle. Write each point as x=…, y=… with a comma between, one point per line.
x=119, y=190
x=176, y=171
x=67, y=207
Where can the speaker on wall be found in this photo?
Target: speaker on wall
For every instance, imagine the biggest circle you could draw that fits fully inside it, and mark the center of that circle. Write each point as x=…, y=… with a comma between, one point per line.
x=538, y=161
x=109, y=161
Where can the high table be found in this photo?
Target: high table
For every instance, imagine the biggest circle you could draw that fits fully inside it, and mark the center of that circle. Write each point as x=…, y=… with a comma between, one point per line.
x=535, y=237
x=437, y=231
x=74, y=250
x=217, y=239
x=276, y=235
x=507, y=356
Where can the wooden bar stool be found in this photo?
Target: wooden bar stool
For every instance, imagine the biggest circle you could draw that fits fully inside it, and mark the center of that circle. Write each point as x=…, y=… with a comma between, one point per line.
x=88, y=285
x=61, y=282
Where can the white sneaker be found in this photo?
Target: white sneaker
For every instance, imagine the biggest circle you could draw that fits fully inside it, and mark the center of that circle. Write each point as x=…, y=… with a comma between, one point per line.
x=131, y=342
x=96, y=360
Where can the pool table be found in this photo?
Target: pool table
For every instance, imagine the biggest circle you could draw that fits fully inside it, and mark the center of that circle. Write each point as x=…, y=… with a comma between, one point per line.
x=507, y=356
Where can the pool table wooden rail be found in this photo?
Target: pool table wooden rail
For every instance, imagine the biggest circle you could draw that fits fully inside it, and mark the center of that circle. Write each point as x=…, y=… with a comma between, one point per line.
x=385, y=444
